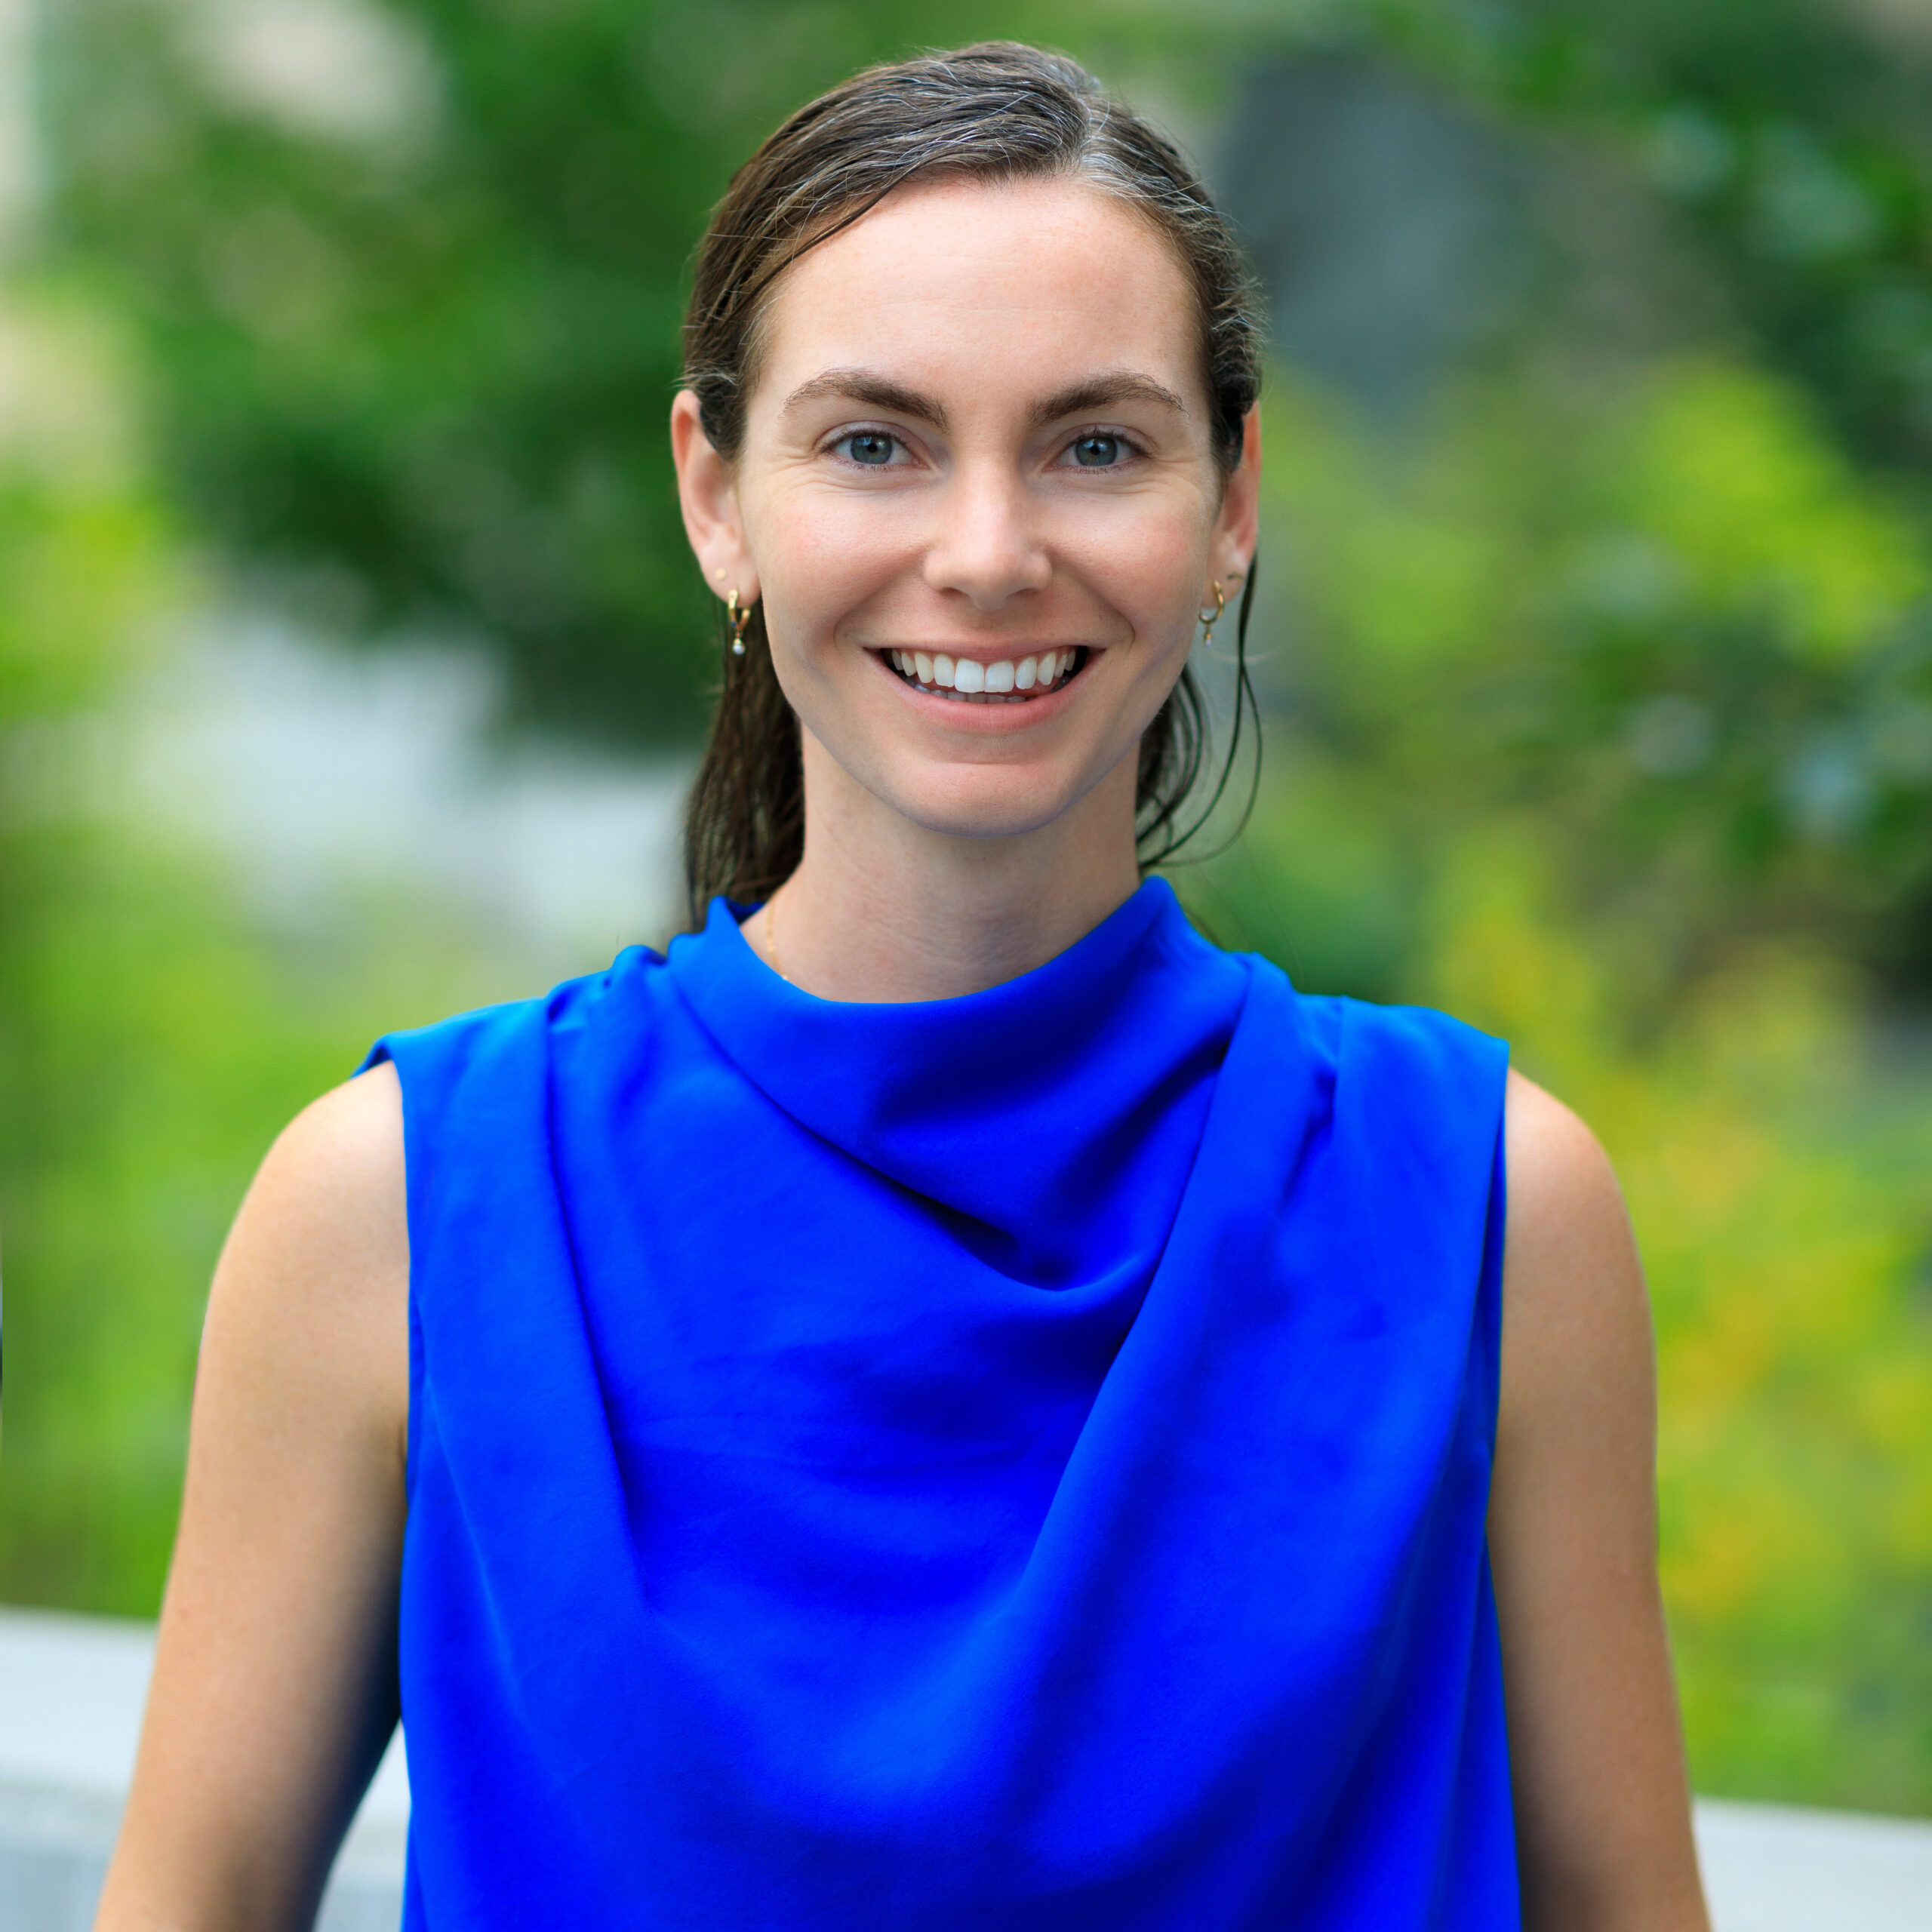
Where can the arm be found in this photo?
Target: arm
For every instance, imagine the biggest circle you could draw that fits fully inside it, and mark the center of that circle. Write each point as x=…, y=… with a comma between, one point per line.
x=1602, y=1802
x=274, y=1688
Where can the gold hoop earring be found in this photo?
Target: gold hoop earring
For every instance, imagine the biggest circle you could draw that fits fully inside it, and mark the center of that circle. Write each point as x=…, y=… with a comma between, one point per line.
x=738, y=616
x=1207, y=619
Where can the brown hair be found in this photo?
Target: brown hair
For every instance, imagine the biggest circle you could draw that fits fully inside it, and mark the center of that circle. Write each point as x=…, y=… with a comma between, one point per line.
x=996, y=112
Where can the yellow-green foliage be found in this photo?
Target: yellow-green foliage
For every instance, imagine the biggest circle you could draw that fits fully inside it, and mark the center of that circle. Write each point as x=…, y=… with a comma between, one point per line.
x=1784, y=1248
x=1724, y=469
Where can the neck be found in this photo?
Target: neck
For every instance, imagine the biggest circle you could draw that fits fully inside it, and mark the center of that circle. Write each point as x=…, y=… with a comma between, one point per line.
x=882, y=910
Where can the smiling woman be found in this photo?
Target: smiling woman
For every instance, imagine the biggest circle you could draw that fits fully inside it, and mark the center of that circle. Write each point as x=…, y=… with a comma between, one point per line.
x=946, y=1401
x=1087, y=202
x=994, y=462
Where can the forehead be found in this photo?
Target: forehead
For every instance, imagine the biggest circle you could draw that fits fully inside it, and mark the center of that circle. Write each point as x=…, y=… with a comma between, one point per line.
x=1026, y=284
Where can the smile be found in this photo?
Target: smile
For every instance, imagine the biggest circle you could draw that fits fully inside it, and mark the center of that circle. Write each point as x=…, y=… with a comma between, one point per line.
x=1002, y=681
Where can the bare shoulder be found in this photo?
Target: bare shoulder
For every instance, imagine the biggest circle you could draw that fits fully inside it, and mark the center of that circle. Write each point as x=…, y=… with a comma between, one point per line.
x=313, y=1285
x=1576, y=1317
x=1561, y=1181
x=1569, y=1234
x=344, y=1151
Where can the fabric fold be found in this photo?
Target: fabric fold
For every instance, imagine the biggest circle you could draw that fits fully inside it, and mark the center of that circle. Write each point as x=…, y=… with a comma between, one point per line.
x=1015, y=1461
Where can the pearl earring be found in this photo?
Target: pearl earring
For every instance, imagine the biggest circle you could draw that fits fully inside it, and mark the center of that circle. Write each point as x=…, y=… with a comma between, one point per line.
x=739, y=615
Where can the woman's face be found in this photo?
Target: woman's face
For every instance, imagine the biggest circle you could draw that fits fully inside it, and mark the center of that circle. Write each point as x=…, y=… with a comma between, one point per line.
x=977, y=495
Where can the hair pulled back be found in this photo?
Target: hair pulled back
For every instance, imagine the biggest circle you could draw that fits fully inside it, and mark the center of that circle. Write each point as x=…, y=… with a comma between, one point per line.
x=997, y=113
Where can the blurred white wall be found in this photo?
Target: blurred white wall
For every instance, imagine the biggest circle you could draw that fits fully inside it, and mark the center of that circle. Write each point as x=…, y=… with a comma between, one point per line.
x=326, y=774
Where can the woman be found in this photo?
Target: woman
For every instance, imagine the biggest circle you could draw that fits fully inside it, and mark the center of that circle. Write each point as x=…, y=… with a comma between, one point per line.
x=947, y=1402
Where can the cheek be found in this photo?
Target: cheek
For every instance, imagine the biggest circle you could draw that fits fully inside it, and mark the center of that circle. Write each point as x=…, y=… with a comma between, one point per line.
x=1151, y=570
x=819, y=560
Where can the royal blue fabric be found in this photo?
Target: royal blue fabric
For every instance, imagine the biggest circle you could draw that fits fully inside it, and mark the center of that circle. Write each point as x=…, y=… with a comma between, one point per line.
x=1018, y=1461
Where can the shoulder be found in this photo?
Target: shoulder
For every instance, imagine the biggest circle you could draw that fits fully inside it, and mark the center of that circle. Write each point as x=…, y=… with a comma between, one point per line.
x=1408, y=1077
x=487, y=1041
x=334, y=1176
x=1552, y=1151
x=1575, y=1318
x=1561, y=1187
x=1409, y=1043
x=310, y=1301
x=1567, y=1218
x=1433, y=1102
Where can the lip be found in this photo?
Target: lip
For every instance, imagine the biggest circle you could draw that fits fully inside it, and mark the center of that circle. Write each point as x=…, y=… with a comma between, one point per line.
x=986, y=717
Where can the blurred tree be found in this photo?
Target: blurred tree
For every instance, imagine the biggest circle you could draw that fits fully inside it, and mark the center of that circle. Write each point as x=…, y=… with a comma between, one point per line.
x=1664, y=611
x=1604, y=665
x=412, y=275
x=1790, y=139
x=1792, y=133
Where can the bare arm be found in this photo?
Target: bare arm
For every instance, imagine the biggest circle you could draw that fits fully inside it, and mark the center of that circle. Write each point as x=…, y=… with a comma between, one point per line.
x=274, y=1687
x=1602, y=1802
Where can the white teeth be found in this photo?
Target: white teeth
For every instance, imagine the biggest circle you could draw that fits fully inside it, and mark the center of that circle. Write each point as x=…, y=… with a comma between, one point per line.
x=997, y=683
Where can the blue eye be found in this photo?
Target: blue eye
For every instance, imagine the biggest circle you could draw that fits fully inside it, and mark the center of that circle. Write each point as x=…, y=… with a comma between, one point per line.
x=1096, y=452
x=873, y=447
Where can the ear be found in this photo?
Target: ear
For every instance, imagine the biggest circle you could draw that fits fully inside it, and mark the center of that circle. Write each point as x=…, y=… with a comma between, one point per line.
x=708, y=494
x=1236, y=529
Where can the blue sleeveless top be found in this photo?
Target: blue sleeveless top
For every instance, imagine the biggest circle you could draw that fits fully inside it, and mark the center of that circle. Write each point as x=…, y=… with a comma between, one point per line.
x=1018, y=1461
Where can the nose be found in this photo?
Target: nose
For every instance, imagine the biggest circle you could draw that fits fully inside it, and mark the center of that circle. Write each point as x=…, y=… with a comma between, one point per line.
x=988, y=550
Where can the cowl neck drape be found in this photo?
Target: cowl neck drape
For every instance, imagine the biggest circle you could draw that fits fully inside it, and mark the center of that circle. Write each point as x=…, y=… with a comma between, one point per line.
x=1019, y=1461
x=1054, y=1116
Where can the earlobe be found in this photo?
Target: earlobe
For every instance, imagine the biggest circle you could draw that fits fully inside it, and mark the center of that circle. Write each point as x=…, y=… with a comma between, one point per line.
x=707, y=495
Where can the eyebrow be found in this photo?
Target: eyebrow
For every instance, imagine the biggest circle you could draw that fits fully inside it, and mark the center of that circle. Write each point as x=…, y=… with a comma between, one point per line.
x=880, y=392
x=1100, y=393
x=1082, y=398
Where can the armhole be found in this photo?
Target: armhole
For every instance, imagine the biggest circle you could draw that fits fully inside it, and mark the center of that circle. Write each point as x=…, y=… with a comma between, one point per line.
x=1489, y=1288
x=377, y=1055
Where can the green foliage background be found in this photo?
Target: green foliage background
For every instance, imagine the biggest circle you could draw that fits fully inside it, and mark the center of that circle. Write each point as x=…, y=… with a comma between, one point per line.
x=1600, y=687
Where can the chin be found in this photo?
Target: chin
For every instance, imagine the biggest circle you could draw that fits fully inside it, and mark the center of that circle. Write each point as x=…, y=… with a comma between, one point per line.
x=993, y=804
